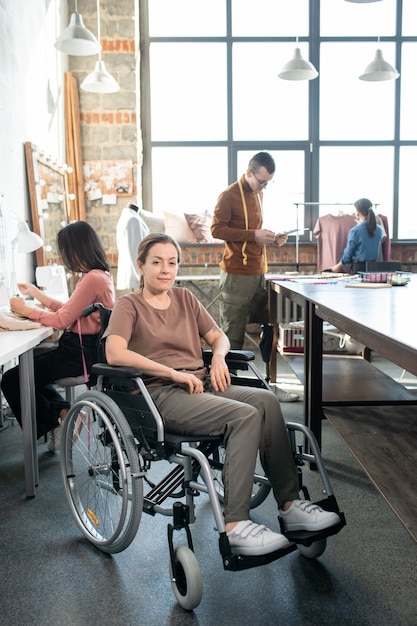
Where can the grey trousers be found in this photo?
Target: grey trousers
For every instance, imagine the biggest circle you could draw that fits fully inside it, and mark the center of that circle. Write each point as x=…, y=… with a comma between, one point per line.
x=250, y=420
x=242, y=299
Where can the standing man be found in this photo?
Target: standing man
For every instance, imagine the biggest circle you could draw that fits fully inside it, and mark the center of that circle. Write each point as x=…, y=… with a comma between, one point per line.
x=238, y=221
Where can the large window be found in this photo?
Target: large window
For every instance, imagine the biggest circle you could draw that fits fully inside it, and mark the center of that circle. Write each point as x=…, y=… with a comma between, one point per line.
x=211, y=98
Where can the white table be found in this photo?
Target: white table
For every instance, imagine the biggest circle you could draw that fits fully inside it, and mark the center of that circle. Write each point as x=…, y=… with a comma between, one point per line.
x=19, y=344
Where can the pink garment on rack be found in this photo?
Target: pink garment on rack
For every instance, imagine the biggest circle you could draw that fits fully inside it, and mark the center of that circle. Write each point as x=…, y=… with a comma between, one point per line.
x=386, y=244
x=331, y=232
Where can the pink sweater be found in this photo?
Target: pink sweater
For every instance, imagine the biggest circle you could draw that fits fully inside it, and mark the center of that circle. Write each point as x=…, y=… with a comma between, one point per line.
x=94, y=286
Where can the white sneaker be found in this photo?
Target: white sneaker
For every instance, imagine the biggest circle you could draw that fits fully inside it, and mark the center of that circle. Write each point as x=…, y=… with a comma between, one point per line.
x=286, y=396
x=251, y=539
x=305, y=515
x=54, y=439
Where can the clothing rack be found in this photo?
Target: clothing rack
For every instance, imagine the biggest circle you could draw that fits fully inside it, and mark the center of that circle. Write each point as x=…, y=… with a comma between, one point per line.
x=297, y=235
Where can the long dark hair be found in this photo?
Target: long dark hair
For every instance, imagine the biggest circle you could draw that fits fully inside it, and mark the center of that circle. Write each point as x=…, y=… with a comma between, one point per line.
x=149, y=241
x=80, y=248
x=364, y=207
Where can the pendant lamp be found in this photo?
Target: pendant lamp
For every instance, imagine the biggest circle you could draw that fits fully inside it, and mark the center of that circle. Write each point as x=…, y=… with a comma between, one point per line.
x=99, y=81
x=76, y=39
x=379, y=69
x=298, y=68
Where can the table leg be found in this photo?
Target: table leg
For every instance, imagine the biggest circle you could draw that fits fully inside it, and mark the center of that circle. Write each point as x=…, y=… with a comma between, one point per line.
x=28, y=408
x=273, y=318
x=313, y=371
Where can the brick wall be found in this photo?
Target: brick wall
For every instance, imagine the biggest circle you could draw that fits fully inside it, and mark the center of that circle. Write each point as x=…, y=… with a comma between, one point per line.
x=109, y=122
x=204, y=259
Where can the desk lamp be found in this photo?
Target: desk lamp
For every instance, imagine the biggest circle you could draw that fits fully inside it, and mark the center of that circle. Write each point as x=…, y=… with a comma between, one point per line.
x=25, y=241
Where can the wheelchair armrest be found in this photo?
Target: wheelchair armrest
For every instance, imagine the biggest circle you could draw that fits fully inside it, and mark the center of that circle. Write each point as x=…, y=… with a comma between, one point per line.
x=233, y=357
x=116, y=371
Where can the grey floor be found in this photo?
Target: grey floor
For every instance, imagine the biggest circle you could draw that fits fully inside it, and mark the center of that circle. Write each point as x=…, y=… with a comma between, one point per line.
x=50, y=575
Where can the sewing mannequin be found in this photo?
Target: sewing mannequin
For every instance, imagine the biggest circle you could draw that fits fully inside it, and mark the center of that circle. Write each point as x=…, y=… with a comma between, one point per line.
x=130, y=231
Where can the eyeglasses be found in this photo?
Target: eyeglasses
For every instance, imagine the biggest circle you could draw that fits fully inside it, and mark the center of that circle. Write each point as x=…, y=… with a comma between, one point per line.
x=261, y=183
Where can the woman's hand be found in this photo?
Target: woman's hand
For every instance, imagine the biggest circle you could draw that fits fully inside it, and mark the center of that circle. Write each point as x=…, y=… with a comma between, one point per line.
x=17, y=305
x=27, y=289
x=336, y=269
x=219, y=373
x=188, y=381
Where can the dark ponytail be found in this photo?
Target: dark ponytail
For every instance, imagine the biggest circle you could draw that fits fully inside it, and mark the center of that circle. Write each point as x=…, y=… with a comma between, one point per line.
x=364, y=207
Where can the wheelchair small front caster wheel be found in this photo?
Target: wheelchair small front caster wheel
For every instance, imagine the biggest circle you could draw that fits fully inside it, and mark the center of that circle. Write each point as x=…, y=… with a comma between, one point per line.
x=313, y=551
x=187, y=584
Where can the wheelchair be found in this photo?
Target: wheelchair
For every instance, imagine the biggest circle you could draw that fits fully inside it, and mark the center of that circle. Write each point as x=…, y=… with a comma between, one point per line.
x=112, y=437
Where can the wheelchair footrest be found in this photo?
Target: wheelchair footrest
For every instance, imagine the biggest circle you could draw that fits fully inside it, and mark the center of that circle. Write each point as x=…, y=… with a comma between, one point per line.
x=306, y=538
x=238, y=562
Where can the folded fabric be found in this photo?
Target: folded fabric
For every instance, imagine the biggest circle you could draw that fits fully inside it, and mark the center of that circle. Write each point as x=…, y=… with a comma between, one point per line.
x=13, y=321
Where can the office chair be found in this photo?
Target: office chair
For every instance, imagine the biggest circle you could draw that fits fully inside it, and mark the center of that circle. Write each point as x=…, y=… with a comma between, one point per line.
x=383, y=266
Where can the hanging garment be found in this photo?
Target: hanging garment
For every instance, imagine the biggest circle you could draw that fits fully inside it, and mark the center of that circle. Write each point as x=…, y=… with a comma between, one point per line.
x=331, y=232
x=386, y=244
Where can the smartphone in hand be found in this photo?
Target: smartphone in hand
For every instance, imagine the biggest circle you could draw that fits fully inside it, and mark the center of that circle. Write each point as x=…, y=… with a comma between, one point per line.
x=287, y=232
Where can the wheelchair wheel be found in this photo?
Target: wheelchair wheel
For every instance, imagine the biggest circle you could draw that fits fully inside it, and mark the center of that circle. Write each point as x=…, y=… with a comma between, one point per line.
x=101, y=472
x=188, y=583
x=313, y=551
x=260, y=490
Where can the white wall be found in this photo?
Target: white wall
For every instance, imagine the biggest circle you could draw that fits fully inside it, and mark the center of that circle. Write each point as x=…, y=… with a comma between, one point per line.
x=31, y=106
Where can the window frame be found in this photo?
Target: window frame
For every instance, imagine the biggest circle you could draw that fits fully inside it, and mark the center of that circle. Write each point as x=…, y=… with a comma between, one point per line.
x=311, y=146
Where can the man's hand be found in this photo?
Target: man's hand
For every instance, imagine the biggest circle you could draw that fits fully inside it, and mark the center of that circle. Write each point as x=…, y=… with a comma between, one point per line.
x=264, y=236
x=281, y=239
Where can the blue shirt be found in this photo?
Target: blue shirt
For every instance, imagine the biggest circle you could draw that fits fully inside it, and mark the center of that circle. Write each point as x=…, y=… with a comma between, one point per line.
x=360, y=245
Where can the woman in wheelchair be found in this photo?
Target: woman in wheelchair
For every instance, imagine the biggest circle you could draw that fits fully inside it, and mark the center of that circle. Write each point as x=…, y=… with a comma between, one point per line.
x=159, y=329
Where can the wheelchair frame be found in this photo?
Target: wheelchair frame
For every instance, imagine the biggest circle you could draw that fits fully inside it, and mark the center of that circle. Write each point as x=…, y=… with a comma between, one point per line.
x=112, y=436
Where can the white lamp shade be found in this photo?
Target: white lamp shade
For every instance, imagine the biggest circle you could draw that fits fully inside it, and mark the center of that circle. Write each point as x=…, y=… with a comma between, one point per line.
x=76, y=39
x=26, y=241
x=298, y=68
x=363, y=1
x=379, y=69
x=100, y=81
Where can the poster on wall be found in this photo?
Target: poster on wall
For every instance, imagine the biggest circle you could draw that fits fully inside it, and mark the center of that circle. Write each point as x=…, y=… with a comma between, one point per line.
x=106, y=180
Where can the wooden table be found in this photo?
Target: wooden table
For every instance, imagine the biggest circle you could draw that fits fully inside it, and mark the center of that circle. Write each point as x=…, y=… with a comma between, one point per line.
x=19, y=344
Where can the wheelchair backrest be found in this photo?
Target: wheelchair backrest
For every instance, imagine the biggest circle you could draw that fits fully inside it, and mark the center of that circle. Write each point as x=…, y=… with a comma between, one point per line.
x=104, y=320
x=138, y=415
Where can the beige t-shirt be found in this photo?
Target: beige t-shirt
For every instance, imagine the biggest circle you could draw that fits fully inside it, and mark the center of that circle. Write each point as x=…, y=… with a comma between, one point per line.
x=170, y=337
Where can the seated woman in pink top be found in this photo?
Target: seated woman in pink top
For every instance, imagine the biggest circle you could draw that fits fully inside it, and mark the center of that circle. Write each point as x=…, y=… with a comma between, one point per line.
x=81, y=252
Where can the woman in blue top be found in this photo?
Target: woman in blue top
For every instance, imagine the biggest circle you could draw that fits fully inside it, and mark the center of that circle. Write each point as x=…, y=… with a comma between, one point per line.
x=364, y=240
